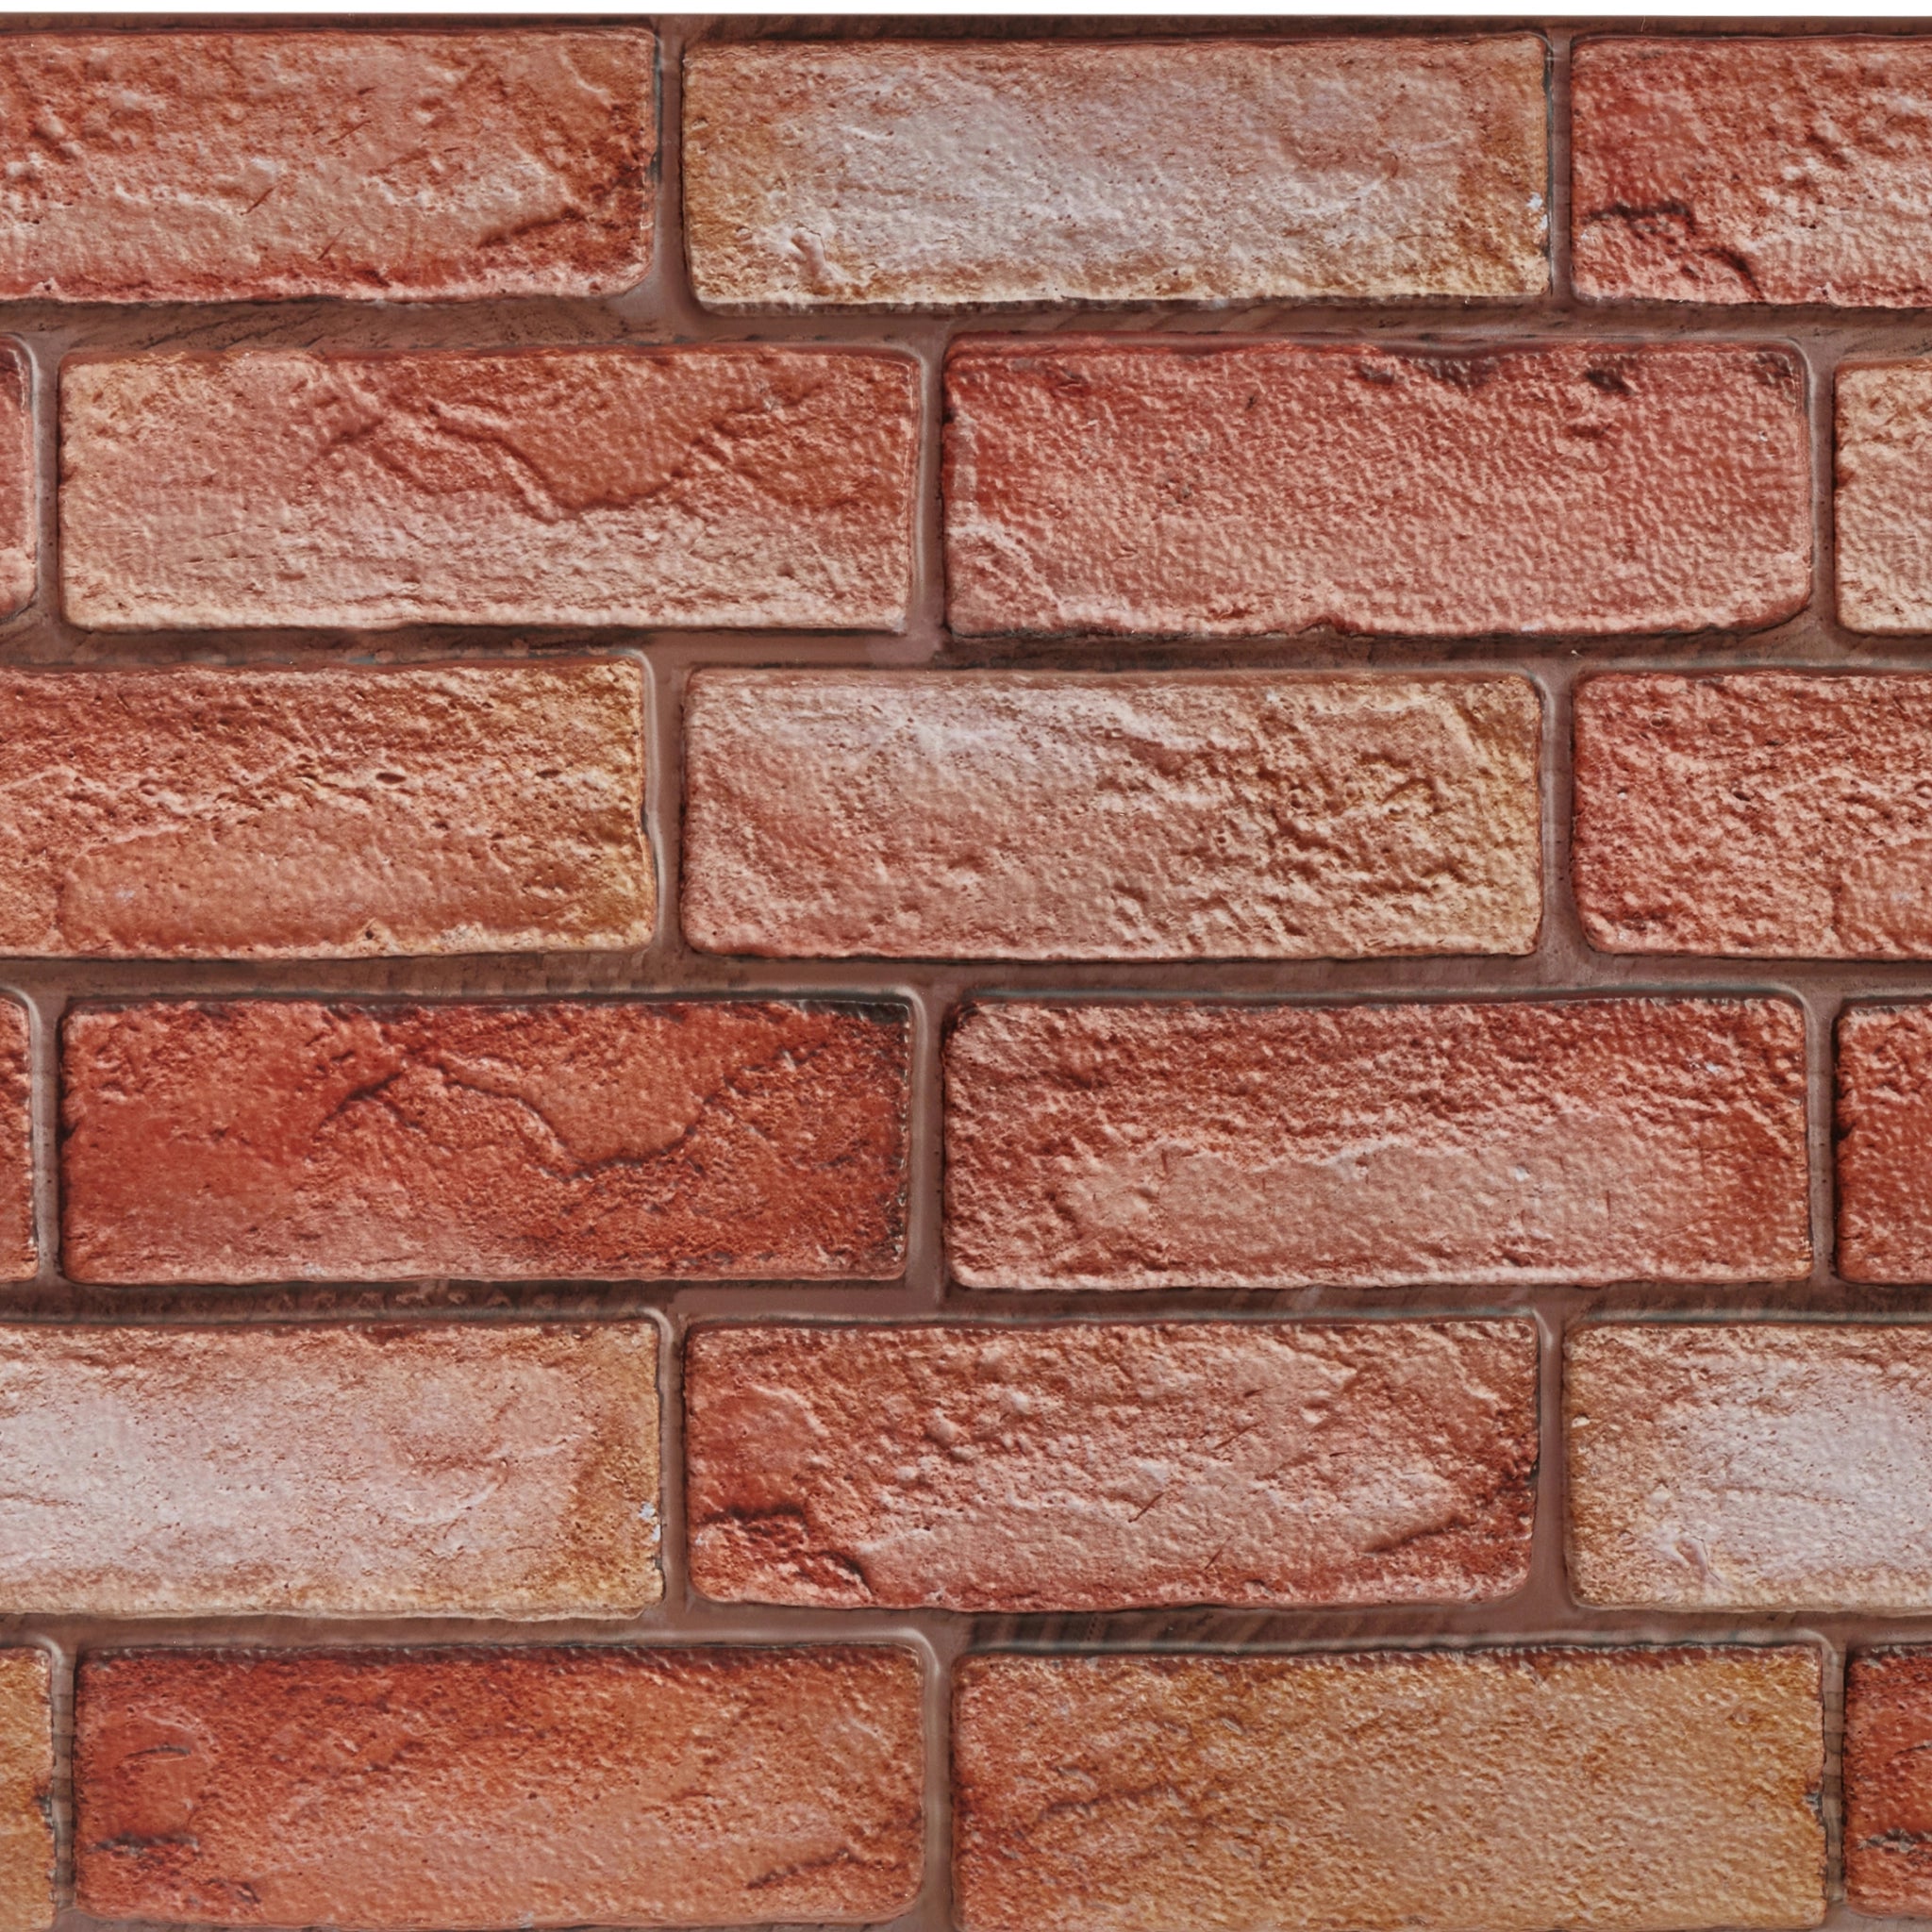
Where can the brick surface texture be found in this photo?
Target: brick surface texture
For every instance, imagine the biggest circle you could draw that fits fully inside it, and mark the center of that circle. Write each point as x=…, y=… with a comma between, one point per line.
x=227, y=167
x=1101, y=1467
x=1139, y=1145
x=490, y=1787
x=970, y=973
x=1514, y=1790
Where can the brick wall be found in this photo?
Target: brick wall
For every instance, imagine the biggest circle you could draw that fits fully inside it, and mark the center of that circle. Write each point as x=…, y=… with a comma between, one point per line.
x=965, y=981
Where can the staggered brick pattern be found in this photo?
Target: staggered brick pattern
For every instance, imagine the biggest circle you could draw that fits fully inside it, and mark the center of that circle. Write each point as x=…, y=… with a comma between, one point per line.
x=971, y=978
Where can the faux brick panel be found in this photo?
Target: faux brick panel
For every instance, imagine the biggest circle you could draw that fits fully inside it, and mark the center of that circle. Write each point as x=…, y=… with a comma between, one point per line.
x=664, y=487
x=458, y=1469
x=1751, y=1465
x=1096, y=1467
x=1742, y=170
x=1884, y=1143
x=1770, y=815
x=1884, y=504
x=26, y=1779
x=19, y=1250
x=1508, y=1791
x=499, y=1788
x=264, y=1140
x=1888, y=1785
x=271, y=814
x=1180, y=1145
x=19, y=534
x=1237, y=490
x=1020, y=816
x=225, y=167
x=924, y=174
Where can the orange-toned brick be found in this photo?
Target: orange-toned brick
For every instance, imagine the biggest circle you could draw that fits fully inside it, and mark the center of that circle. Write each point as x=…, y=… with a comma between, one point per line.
x=742, y=486
x=27, y=1782
x=19, y=1249
x=460, y=1469
x=1503, y=1790
x=1140, y=1145
x=404, y=1791
x=264, y=1140
x=390, y=166
x=1239, y=489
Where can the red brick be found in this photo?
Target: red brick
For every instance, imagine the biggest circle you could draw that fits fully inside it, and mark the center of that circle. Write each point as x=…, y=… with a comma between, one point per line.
x=394, y=167
x=1770, y=815
x=27, y=1779
x=1142, y=1145
x=1505, y=1791
x=1885, y=1144
x=266, y=1140
x=279, y=814
x=1014, y=815
x=451, y=1469
x=19, y=536
x=19, y=1250
x=664, y=487
x=1751, y=1465
x=1241, y=489
x=1740, y=170
x=1887, y=1783
x=1092, y=1467
x=499, y=1788
x=924, y=174
x=1884, y=502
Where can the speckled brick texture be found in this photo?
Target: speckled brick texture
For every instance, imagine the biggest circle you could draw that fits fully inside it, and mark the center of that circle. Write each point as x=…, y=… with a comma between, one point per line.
x=404, y=1789
x=965, y=973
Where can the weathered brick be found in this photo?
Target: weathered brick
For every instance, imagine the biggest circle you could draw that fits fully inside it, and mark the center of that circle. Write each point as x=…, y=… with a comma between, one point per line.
x=26, y=1779
x=19, y=537
x=1101, y=1466
x=266, y=1140
x=1884, y=1143
x=724, y=486
x=1884, y=502
x=277, y=815
x=19, y=1250
x=484, y=1787
x=1887, y=1783
x=934, y=174
x=456, y=1469
x=1508, y=1790
x=395, y=167
x=1759, y=1465
x=1235, y=490
x=1140, y=1145
x=1753, y=170
x=1770, y=814
x=1016, y=815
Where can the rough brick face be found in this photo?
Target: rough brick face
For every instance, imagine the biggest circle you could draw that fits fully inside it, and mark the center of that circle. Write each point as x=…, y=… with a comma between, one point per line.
x=1884, y=489
x=19, y=1251
x=497, y=1788
x=1020, y=816
x=456, y=1469
x=1776, y=1466
x=1885, y=1144
x=19, y=536
x=1887, y=1783
x=221, y=167
x=1235, y=490
x=268, y=1140
x=1743, y=170
x=676, y=487
x=1770, y=815
x=1144, y=1145
x=942, y=175
x=1096, y=1467
x=267, y=814
x=26, y=1778
x=1510, y=1791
